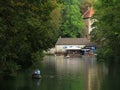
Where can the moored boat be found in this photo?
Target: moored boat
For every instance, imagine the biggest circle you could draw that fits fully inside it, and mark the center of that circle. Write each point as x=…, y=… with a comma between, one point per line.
x=67, y=56
x=36, y=76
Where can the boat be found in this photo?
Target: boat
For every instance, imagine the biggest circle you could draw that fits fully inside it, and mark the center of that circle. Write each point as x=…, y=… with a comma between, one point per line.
x=36, y=76
x=67, y=56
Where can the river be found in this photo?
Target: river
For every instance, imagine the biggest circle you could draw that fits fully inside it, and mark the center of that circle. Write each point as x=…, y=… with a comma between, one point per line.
x=60, y=73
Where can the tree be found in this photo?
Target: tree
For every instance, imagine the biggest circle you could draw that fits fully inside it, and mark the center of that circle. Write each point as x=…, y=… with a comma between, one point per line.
x=56, y=18
x=72, y=22
x=25, y=31
x=108, y=29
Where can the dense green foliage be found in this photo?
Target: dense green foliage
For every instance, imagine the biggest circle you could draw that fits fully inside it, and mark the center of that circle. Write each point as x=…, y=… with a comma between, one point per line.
x=107, y=33
x=56, y=17
x=72, y=22
x=25, y=31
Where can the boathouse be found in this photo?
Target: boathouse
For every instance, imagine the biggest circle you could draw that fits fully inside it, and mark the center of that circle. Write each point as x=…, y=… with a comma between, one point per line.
x=70, y=45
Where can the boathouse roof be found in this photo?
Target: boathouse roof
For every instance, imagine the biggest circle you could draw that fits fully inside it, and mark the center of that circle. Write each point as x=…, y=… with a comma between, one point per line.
x=72, y=41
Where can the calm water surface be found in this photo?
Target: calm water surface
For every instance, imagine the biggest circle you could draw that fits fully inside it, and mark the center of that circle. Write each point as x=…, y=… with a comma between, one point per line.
x=59, y=73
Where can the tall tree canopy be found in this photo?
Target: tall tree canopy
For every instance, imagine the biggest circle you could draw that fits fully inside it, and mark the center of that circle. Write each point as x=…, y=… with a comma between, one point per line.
x=107, y=33
x=25, y=31
x=72, y=22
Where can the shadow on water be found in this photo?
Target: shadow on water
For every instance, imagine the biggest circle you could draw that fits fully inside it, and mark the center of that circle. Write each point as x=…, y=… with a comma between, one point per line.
x=23, y=81
x=112, y=80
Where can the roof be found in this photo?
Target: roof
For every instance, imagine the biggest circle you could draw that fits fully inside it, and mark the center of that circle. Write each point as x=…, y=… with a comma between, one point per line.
x=72, y=41
x=89, y=13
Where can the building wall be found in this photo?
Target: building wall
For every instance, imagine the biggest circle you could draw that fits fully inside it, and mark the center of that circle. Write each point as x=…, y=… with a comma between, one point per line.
x=88, y=27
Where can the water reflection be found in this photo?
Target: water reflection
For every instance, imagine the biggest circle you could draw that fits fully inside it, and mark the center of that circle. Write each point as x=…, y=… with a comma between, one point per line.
x=83, y=73
x=94, y=73
x=60, y=73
